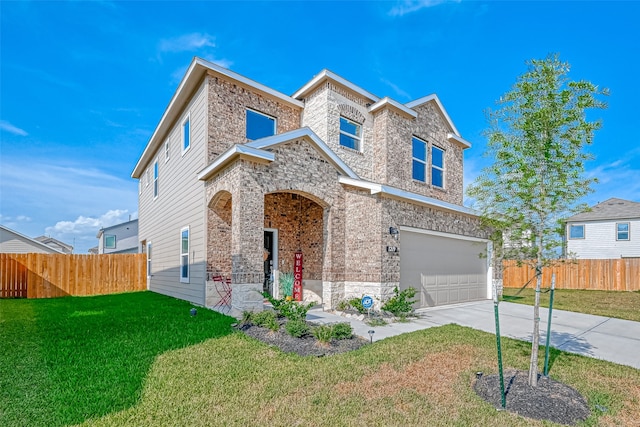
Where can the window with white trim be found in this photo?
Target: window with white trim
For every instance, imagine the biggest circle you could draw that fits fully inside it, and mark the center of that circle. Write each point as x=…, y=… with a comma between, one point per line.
x=576, y=231
x=259, y=125
x=622, y=231
x=419, y=159
x=437, y=167
x=109, y=241
x=184, y=255
x=148, y=259
x=350, y=133
x=155, y=179
x=186, y=134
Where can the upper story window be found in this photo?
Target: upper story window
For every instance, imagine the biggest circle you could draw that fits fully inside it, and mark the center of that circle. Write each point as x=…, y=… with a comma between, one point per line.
x=437, y=167
x=109, y=241
x=350, y=134
x=259, y=125
x=155, y=179
x=622, y=231
x=419, y=156
x=186, y=134
x=576, y=231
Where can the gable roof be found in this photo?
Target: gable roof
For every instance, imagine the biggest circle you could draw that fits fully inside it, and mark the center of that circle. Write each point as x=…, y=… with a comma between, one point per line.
x=192, y=79
x=325, y=75
x=610, y=209
x=257, y=151
x=48, y=240
x=30, y=241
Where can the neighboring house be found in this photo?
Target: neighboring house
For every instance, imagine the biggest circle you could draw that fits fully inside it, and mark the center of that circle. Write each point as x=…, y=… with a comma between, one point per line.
x=13, y=242
x=119, y=238
x=56, y=244
x=238, y=179
x=611, y=229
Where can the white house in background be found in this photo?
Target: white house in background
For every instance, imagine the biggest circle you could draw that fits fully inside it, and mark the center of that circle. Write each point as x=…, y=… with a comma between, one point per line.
x=610, y=230
x=12, y=242
x=119, y=238
x=56, y=244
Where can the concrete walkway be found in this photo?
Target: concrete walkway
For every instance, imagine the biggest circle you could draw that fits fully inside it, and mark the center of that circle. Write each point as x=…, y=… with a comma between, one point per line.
x=599, y=337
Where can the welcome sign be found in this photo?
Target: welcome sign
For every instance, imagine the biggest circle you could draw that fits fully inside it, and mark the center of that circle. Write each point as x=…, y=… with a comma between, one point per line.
x=297, y=277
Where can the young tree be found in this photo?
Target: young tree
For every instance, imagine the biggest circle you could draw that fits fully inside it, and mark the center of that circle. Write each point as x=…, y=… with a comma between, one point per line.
x=536, y=140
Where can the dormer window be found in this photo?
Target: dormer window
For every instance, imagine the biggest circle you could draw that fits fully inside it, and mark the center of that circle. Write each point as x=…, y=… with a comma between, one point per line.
x=350, y=134
x=259, y=125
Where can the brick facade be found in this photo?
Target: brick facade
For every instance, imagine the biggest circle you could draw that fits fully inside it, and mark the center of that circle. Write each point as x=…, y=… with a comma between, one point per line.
x=294, y=186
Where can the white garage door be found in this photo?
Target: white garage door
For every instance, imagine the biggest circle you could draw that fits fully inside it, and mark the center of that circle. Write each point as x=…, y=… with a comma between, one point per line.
x=445, y=269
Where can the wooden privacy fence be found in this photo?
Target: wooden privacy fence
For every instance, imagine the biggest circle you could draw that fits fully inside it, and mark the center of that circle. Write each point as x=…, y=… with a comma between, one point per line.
x=596, y=274
x=55, y=275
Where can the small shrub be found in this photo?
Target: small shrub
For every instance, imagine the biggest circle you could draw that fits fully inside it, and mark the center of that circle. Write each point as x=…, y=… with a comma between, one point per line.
x=357, y=304
x=247, y=317
x=292, y=310
x=296, y=328
x=266, y=319
x=375, y=321
x=343, y=305
x=342, y=331
x=323, y=333
x=401, y=303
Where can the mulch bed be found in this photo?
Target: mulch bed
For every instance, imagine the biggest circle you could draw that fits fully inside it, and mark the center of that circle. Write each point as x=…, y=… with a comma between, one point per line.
x=305, y=346
x=550, y=400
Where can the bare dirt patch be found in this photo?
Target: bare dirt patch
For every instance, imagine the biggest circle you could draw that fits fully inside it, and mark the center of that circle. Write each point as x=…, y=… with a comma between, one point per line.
x=434, y=376
x=550, y=400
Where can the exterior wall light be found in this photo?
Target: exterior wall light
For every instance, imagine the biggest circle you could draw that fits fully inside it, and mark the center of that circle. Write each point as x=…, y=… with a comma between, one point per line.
x=394, y=232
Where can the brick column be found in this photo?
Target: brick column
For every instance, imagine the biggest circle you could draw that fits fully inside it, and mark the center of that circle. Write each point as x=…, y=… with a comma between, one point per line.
x=247, y=241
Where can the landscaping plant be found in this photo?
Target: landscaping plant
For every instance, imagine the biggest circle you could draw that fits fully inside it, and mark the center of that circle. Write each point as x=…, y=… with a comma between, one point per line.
x=286, y=284
x=291, y=310
x=401, y=303
x=536, y=140
x=296, y=328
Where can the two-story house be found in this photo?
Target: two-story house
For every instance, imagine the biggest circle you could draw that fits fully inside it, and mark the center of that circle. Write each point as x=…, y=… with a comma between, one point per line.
x=239, y=179
x=608, y=231
x=119, y=238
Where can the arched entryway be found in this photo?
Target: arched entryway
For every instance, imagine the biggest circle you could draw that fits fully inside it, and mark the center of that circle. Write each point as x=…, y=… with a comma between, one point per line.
x=219, y=251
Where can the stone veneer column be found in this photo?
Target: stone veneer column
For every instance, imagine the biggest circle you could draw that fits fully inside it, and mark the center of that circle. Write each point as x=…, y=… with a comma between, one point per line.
x=247, y=241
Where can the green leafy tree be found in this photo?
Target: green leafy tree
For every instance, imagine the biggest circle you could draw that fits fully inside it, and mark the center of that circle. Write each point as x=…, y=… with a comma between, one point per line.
x=537, y=139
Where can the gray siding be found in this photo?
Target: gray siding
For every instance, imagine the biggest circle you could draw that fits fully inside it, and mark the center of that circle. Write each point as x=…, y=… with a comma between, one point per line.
x=180, y=203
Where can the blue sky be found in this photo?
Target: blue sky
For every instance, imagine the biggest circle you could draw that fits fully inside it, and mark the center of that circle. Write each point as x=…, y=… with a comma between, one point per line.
x=83, y=84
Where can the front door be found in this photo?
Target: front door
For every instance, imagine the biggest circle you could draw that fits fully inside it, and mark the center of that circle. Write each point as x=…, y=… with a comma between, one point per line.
x=269, y=257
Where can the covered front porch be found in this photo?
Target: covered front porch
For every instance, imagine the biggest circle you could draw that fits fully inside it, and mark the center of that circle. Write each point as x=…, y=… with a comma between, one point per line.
x=246, y=258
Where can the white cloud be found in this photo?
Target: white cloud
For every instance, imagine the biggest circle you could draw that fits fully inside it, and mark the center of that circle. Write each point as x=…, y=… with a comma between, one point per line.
x=401, y=93
x=81, y=233
x=52, y=194
x=409, y=6
x=6, y=126
x=186, y=43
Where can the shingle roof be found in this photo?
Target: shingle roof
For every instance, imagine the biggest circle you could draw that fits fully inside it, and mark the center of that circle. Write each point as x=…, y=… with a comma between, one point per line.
x=610, y=209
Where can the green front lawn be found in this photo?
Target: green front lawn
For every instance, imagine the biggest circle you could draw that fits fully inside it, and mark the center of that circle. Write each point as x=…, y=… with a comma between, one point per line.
x=64, y=360
x=621, y=305
x=139, y=359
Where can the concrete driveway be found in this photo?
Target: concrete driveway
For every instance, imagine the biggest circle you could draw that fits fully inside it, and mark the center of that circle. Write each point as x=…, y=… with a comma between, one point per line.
x=600, y=337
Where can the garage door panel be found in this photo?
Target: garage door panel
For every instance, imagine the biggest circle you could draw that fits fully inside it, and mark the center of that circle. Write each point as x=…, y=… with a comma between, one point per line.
x=445, y=270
